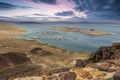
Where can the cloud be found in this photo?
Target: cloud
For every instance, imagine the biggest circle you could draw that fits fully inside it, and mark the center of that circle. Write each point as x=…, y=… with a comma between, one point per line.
x=4, y=17
x=100, y=9
x=97, y=5
x=59, y=9
x=65, y=13
x=46, y=1
x=39, y=14
x=7, y=6
x=82, y=5
x=104, y=15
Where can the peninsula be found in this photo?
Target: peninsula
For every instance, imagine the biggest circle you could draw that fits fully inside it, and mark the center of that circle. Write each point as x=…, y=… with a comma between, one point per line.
x=87, y=32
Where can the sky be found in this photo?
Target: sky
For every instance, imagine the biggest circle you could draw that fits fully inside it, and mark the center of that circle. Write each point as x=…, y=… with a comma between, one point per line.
x=59, y=10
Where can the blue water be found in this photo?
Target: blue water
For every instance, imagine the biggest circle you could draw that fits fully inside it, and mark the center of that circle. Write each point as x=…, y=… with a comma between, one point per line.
x=71, y=40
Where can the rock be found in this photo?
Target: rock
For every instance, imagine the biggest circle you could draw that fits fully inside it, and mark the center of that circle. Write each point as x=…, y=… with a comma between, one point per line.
x=67, y=76
x=106, y=53
x=92, y=65
x=111, y=70
x=116, y=54
x=82, y=73
x=116, y=76
x=40, y=51
x=4, y=61
x=98, y=73
x=54, y=77
x=58, y=70
x=16, y=58
x=61, y=76
x=79, y=63
x=13, y=58
x=15, y=64
x=104, y=67
x=117, y=63
x=116, y=45
x=35, y=50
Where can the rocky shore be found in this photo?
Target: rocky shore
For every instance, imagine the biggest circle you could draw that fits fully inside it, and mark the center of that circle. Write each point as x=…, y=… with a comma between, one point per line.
x=30, y=60
x=87, y=32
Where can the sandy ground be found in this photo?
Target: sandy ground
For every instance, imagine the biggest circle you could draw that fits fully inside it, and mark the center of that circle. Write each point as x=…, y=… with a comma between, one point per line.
x=10, y=31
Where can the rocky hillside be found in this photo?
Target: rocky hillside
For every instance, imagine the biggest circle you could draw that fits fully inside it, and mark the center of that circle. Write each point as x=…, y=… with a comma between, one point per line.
x=106, y=53
x=104, y=64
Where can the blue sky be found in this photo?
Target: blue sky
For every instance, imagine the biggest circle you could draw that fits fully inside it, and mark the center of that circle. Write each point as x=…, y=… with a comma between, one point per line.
x=59, y=10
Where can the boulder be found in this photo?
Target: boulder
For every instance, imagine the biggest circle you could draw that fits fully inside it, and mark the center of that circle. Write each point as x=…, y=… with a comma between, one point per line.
x=79, y=63
x=106, y=53
x=67, y=76
x=40, y=51
x=116, y=45
x=111, y=70
x=58, y=70
x=35, y=50
x=82, y=73
x=16, y=57
x=13, y=58
x=104, y=67
x=116, y=54
x=53, y=77
x=117, y=63
x=116, y=76
x=4, y=61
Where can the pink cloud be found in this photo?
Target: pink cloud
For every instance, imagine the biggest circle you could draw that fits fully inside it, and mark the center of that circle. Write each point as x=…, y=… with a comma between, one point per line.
x=46, y=9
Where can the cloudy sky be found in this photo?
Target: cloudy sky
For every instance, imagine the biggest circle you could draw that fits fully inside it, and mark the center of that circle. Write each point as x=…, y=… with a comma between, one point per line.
x=59, y=10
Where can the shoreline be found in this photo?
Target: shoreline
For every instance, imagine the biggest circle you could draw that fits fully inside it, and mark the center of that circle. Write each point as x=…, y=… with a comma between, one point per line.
x=21, y=45
x=57, y=47
x=12, y=31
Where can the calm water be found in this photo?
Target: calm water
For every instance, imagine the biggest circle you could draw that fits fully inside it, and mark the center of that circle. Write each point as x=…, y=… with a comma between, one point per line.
x=71, y=40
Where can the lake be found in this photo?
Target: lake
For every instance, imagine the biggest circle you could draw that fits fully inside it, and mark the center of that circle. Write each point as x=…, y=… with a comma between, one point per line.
x=73, y=41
